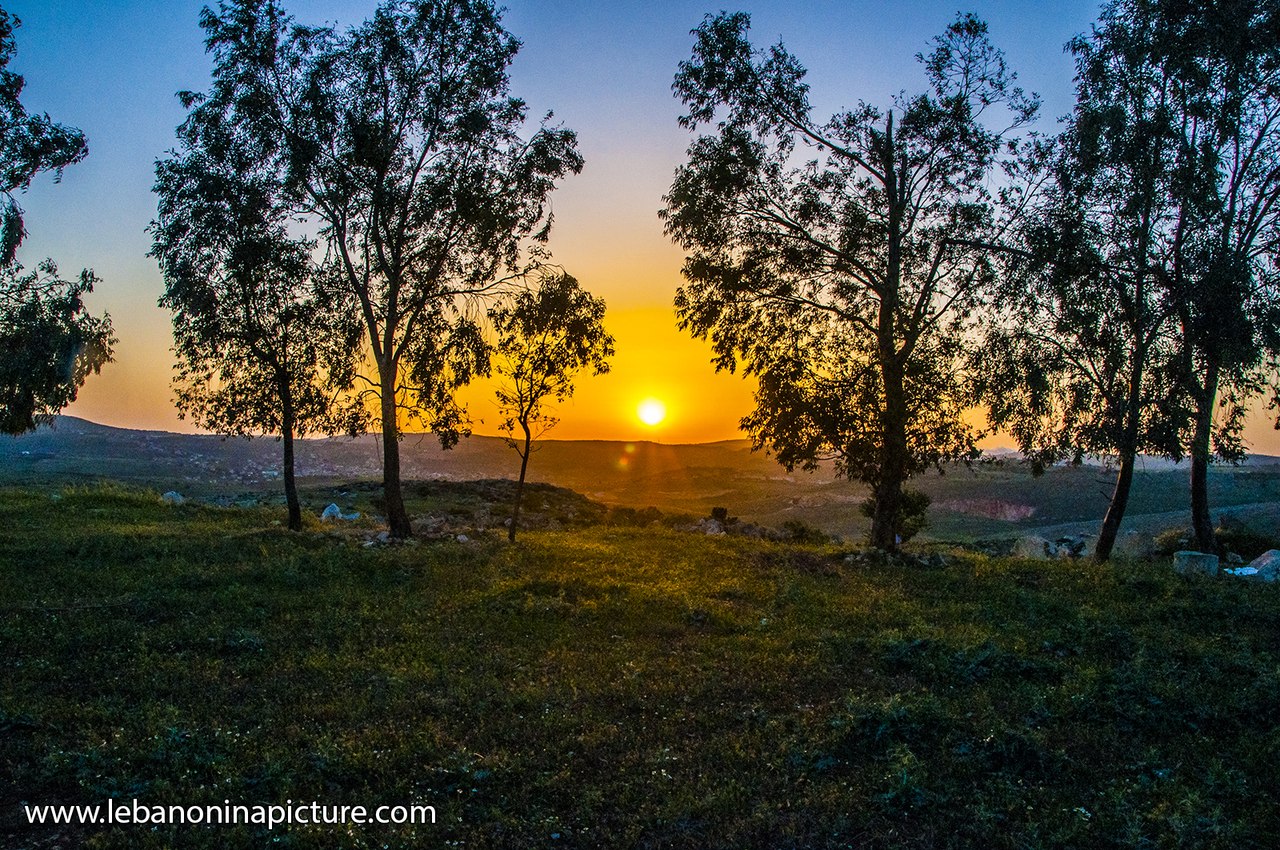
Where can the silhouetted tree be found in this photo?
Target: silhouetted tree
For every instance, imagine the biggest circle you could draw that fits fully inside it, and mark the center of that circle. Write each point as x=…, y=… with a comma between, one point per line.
x=1148, y=277
x=845, y=284
x=260, y=344
x=48, y=341
x=1072, y=372
x=1225, y=59
x=545, y=336
x=404, y=145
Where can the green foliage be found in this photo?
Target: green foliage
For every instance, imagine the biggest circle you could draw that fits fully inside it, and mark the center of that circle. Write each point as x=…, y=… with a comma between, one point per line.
x=621, y=687
x=401, y=141
x=545, y=336
x=49, y=343
x=845, y=284
x=260, y=341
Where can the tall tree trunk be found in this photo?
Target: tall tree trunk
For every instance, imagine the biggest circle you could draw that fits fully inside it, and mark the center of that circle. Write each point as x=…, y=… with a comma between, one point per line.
x=885, y=518
x=1128, y=457
x=524, y=467
x=1201, y=522
x=397, y=517
x=893, y=434
x=290, y=483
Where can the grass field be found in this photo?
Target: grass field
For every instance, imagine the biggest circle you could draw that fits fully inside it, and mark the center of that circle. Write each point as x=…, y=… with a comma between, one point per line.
x=613, y=687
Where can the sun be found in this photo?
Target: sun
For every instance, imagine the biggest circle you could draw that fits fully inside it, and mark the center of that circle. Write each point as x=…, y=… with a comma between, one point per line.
x=651, y=411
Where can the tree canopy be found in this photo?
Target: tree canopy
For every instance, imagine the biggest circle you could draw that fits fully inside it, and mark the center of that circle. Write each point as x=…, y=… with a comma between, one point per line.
x=545, y=336
x=845, y=283
x=49, y=343
x=404, y=146
x=262, y=346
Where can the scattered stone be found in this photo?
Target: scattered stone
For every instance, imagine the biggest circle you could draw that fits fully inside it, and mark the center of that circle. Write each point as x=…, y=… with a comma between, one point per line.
x=173, y=497
x=711, y=527
x=428, y=525
x=1035, y=548
x=333, y=512
x=462, y=538
x=1266, y=566
x=1134, y=545
x=1195, y=563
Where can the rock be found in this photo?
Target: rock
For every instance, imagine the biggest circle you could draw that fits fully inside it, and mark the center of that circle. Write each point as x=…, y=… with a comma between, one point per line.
x=462, y=538
x=1035, y=548
x=172, y=498
x=1195, y=563
x=427, y=525
x=383, y=537
x=1267, y=565
x=333, y=512
x=710, y=527
x=1134, y=545
x=1234, y=559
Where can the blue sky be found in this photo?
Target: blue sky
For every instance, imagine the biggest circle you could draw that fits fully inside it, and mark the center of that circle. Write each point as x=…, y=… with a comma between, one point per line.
x=112, y=68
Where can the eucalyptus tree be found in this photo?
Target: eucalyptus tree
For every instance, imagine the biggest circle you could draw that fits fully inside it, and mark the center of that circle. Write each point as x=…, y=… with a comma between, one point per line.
x=845, y=283
x=1087, y=321
x=1225, y=58
x=49, y=343
x=545, y=336
x=403, y=144
x=262, y=345
x=1149, y=301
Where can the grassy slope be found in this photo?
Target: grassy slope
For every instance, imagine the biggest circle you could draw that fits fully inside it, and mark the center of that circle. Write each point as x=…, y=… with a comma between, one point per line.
x=621, y=688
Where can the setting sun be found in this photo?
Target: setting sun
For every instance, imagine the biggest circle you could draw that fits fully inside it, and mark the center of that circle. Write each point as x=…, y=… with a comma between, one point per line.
x=651, y=411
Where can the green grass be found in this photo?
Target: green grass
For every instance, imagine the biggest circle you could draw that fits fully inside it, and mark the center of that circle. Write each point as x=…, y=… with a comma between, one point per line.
x=620, y=687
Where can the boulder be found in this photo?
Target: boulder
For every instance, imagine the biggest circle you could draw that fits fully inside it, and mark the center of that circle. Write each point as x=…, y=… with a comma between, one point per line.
x=172, y=498
x=1035, y=548
x=1195, y=563
x=1134, y=545
x=1267, y=565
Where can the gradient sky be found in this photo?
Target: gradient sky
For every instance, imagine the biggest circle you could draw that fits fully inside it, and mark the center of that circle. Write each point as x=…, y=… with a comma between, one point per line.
x=112, y=68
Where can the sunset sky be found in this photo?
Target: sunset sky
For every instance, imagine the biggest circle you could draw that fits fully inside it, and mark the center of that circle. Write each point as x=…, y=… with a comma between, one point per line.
x=112, y=68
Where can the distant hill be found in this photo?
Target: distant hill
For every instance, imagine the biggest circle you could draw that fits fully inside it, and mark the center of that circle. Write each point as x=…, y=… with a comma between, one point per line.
x=996, y=499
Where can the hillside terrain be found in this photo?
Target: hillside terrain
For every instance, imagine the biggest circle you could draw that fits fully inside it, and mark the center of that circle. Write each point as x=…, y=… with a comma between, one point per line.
x=612, y=687
x=994, y=499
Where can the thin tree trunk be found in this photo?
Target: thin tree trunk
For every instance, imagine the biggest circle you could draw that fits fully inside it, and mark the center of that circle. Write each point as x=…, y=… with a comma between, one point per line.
x=524, y=467
x=1115, y=509
x=290, y=483
x=1201, y=522
x=397, y=517
x=1128, y=457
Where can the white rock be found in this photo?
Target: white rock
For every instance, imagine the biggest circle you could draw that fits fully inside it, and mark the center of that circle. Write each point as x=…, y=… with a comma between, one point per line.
x=331, y=512
x=173, y=497
x=1195, y=563
x=462, y=538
